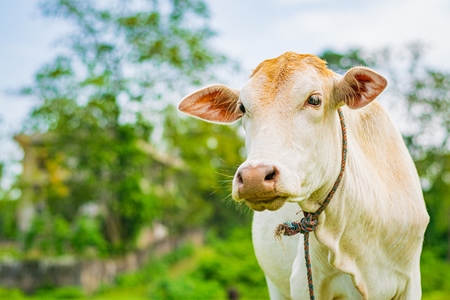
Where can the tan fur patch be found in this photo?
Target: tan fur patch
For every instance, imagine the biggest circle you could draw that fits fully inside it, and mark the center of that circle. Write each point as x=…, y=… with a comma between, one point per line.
x=278, y=70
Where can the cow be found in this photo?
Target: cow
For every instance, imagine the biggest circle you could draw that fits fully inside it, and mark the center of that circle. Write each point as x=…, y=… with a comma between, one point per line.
x=368, y=240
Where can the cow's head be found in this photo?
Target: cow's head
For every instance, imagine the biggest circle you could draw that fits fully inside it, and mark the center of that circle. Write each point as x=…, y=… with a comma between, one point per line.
x=293, y=137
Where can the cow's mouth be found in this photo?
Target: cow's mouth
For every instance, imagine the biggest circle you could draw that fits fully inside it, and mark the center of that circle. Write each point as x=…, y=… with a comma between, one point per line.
x=260, y=204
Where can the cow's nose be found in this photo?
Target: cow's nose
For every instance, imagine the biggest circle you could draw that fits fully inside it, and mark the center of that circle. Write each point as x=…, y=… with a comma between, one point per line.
x=256, y=182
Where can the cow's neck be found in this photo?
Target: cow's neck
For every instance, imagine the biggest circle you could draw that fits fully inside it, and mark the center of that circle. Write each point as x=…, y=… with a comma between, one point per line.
x=357, y=220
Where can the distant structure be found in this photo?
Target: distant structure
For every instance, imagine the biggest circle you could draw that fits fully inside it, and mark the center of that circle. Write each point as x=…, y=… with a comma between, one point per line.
x=39, y=170
x=33, y=176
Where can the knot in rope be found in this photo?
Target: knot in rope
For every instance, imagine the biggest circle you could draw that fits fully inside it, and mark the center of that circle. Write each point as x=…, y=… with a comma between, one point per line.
x=307, y=224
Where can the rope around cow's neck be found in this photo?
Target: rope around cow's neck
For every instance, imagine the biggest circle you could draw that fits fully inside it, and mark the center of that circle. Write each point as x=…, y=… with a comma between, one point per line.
x=310, y=220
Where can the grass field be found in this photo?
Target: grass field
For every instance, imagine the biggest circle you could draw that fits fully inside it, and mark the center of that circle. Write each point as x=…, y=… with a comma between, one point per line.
x=209, y=272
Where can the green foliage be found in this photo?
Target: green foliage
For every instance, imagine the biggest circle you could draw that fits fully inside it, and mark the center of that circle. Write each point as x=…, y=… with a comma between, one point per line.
x=54, y=235
x=231, y=262
x=68, y=292
x=49, y=234
x=434, y=169
x=341, y=62
x=186, y=287
x=11, y=294
x=161, y=285
x=156, y=268
x=8, y=224
x=435, y=273
x=87, y=235
x=209, y=272
x=8, y=208
x=101, y=100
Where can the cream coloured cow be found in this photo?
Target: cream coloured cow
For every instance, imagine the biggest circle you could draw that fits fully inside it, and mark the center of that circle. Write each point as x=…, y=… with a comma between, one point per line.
x=368, y=241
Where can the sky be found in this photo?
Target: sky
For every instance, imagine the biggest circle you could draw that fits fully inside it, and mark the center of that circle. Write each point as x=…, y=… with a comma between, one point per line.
x=247, y=31
x=253, y=33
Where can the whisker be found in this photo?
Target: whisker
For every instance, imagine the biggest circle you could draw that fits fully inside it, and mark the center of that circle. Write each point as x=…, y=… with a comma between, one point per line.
x=225, y=175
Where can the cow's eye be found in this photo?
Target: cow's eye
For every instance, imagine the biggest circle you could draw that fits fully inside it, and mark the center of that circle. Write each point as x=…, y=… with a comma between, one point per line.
x=242, y=108
x=314, y=100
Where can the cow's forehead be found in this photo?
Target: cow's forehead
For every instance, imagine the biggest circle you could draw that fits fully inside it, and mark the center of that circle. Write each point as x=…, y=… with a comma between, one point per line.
x=276, y=74
x=284, y=65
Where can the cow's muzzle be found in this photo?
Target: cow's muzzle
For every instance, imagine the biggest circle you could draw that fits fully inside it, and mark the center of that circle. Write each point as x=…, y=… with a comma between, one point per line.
x=256, y=185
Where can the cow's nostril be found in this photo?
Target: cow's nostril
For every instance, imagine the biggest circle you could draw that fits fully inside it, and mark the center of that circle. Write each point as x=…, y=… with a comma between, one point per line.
x=270, y=176
x=239, y=178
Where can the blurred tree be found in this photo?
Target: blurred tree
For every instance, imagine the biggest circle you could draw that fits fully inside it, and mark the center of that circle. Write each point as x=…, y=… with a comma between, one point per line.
x=102, y=101
x=341, y=62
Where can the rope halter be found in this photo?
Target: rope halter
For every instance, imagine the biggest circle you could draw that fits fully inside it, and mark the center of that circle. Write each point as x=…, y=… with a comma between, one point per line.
x=310, y=220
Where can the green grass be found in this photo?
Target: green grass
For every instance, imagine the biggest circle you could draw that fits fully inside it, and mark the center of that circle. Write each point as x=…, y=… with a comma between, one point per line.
x=208, y=272
x=437, y=295
x=123, y=293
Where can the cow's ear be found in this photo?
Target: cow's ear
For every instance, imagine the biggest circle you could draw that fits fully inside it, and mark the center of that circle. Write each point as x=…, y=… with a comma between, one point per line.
x=216, y=103
x=358, y=87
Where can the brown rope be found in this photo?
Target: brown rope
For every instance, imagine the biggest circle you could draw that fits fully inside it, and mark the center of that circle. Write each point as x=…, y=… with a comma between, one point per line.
x=310, y=220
